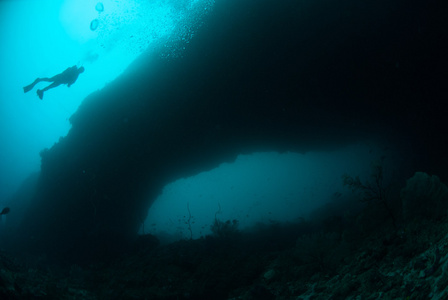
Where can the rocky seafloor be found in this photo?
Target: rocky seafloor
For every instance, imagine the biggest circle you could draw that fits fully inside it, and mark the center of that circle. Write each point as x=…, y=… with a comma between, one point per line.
x=379, y=252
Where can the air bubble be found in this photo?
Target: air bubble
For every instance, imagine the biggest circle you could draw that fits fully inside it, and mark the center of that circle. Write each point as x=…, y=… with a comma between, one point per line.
x=94, y=24
x=99, y=7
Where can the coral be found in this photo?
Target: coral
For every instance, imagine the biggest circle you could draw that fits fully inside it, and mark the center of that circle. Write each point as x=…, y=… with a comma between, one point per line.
x=374, y=191
x=224, y=230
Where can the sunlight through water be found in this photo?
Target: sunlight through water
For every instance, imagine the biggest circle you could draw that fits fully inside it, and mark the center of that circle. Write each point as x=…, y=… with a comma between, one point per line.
x=41, y=38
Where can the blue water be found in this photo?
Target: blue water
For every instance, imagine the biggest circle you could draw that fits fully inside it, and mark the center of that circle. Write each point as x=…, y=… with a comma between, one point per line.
x=43, y=38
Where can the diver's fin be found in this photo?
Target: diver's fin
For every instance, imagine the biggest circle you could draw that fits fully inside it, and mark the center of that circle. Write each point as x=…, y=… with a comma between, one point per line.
x=40, y=93
x=28, y=88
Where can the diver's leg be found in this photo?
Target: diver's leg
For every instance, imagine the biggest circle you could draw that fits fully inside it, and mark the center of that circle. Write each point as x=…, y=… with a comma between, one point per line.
x=30, y=87
x=51, y=86
x=46, y=79
x=40, y=93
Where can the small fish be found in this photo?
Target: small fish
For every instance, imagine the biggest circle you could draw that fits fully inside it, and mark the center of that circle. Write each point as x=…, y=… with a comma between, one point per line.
x=5, y=211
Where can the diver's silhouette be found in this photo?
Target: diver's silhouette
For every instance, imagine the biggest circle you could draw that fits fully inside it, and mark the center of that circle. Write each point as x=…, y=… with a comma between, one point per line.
x=67, y=77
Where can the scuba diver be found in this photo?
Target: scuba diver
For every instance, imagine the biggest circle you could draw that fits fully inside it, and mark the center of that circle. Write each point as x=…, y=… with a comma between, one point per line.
x=67, y=77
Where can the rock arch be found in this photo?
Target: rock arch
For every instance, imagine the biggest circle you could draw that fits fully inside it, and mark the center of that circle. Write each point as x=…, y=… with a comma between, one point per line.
x=273, y=77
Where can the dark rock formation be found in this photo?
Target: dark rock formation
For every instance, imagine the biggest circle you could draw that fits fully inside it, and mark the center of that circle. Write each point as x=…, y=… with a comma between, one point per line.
x=259, y=75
